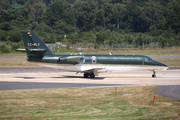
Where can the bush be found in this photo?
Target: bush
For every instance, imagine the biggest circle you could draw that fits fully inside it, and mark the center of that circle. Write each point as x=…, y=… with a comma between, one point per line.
x=4, y=49
x=14, y=47
x=2, y=35
x=15, y=35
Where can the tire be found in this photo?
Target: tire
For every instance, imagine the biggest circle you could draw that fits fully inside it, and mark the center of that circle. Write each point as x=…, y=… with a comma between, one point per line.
x=153, y=75
x=86, y=75
x=92, y=75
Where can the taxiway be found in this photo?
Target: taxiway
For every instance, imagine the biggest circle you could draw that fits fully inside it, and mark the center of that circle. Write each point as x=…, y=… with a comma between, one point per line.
x=45, y=78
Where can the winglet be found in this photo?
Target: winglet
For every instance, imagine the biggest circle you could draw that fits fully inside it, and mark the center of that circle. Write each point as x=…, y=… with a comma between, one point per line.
x=110, y=53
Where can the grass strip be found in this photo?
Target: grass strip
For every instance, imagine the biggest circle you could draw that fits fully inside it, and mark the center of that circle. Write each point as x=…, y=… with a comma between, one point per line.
x=87, y=103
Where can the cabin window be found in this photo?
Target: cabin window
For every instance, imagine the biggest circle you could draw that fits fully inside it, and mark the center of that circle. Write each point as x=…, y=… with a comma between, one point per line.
x=118, y=59
x=124, y=59
x=101, y=59
x=112, y=59
x=106, y=58
x=129, y=59
x=146, y=59
x=135, y=59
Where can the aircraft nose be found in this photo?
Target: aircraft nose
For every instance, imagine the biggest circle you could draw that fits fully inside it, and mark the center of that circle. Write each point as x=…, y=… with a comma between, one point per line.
x=160, y=64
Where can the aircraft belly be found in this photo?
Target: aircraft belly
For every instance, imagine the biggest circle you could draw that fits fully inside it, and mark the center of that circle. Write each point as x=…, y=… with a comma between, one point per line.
x=73, y=68
x=107, y=67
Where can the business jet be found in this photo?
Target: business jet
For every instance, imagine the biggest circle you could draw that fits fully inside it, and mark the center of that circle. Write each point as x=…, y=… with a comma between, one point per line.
x=89, y=64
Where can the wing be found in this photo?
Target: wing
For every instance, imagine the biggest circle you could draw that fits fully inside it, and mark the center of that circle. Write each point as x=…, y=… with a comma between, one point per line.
x=94, y=70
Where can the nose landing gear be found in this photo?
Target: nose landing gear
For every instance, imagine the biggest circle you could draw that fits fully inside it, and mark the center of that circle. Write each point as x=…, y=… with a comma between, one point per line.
x=154, y=74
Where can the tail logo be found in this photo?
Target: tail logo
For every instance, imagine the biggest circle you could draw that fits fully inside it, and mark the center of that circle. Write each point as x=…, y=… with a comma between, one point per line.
x=33, y=44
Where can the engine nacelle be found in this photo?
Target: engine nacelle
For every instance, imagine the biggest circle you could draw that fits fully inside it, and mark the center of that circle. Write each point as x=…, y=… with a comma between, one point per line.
x=71, y=60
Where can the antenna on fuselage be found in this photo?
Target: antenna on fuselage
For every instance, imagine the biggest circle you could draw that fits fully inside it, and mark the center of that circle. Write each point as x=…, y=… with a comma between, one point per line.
x=110, y=53
x=80, y=53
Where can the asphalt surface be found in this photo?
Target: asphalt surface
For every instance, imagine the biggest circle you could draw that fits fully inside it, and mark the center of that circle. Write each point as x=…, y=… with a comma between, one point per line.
x=172, y=91
x=28, y=70
x=40, y=85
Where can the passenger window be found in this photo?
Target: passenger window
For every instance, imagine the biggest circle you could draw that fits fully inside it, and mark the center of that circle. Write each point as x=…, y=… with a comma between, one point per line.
x=124, y=59
x=129, y=59
x=118, y=59
x=106, y=58
x=112, y=59
x=146, y=59
x=100, y=58
x=135, y=59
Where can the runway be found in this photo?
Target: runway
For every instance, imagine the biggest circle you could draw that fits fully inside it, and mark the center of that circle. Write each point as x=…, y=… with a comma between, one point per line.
x=46, y=78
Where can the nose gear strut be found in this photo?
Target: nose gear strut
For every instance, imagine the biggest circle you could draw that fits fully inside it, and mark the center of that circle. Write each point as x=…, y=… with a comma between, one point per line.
x=154, y=74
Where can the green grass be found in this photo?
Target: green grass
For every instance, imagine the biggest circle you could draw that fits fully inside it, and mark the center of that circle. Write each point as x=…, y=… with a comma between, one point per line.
x=17, y=63
x=171, y=62
x=87, y=103
x=13, y=55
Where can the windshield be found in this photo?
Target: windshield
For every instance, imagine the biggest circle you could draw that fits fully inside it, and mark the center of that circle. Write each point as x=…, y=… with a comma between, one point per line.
x=148, y=59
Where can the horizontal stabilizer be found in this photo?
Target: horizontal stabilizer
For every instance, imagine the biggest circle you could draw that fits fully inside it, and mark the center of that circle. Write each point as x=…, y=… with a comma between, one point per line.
x=20, y=49
x=37, y=50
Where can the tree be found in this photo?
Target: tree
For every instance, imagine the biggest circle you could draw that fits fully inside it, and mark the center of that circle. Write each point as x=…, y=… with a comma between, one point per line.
x=120, y=9
x=10, y=18
x=5, y=4
x=110, y=15
x=61, y=27
x=85, y=14
x=100, y=37
x=36, y=8
x=173, y=20
x=151, y=16
x=100, y=19
x=60, y=11
x=15, y=35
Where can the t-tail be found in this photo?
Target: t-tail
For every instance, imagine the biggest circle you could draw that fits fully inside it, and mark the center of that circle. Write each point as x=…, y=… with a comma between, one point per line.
x=35, y=48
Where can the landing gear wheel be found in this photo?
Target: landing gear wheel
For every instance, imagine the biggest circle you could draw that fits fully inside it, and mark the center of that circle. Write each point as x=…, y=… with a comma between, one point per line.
x=86, y=75
x=154, y=74
x=92, y=75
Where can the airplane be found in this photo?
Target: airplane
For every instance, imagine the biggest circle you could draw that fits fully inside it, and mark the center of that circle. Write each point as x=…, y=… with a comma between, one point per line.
x=89, y=64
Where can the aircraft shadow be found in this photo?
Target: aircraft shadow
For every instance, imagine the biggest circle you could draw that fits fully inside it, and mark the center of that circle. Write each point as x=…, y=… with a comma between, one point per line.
x=27, y=77
x=96, y=78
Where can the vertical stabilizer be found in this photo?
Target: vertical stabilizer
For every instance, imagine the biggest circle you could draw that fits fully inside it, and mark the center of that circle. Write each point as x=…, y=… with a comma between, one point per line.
x=35, y=48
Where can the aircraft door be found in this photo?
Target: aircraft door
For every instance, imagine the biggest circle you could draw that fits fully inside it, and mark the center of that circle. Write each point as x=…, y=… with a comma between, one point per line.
x=94, y=59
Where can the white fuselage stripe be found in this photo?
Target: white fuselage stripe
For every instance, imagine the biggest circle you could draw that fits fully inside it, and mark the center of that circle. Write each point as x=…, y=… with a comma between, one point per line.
x=108, y=67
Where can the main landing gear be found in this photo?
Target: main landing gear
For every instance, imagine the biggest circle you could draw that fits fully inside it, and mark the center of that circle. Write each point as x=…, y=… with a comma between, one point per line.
x=154, y=74
x=91, y=75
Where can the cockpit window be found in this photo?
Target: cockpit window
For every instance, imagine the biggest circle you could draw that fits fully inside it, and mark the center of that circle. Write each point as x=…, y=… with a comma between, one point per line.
x=148, y=59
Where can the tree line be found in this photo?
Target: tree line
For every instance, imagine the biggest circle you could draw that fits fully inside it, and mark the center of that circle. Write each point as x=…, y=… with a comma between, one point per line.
x=93, y=21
